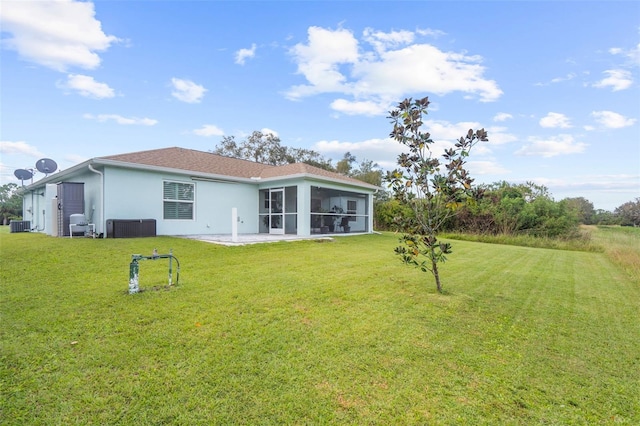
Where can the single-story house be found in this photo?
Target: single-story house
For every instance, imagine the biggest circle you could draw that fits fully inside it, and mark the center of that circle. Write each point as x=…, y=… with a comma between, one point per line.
x=178, y=191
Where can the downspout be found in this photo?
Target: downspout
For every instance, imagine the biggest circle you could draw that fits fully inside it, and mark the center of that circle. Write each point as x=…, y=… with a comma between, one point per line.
x=102, y=221
x=373, y=210
x=33, y=208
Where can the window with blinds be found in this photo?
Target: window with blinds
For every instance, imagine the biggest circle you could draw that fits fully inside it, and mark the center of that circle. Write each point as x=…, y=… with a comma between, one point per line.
x=179, y=198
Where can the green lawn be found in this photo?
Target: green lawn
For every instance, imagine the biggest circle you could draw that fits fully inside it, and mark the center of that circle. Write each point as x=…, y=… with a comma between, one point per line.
x=315, y=333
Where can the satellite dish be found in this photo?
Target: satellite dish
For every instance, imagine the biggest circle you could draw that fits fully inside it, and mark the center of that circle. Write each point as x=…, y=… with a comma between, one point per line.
x=46, y=166
x=23, y=174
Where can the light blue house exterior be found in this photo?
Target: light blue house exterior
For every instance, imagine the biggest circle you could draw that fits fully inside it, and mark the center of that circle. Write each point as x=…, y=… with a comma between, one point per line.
x=190, y=192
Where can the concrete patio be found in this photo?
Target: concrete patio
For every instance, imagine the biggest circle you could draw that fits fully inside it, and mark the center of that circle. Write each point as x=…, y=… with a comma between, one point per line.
x=244, y=239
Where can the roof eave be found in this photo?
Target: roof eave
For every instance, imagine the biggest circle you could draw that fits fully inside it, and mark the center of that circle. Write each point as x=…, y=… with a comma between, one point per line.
x=57, y=177
x=321, y=178
x=192, y=173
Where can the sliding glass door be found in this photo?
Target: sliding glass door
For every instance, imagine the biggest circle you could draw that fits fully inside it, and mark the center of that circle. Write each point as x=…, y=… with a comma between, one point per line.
x=276, y=211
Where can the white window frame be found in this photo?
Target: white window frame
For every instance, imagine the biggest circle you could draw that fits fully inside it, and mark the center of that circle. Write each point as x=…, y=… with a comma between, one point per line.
x=192, y=202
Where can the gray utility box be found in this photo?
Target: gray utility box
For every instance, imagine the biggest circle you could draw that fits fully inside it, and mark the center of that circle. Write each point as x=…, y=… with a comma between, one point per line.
x=70, y=201
x=131, y=228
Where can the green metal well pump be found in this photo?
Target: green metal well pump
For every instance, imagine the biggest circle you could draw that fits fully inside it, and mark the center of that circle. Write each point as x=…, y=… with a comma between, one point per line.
x=134, y=285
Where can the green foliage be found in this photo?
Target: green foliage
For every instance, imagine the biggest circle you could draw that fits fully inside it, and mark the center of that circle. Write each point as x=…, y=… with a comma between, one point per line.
x=385, y=213
x=266, y=148
x=583, y=209
x=10, y=202
x=434, y=190
x=605, y=217
x=517, y=209
x=369, y=172
x=629, y=213
x=366, y=171
x=344, y=166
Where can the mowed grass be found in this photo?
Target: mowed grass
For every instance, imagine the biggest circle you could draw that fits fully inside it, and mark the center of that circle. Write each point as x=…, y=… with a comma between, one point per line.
x=314, y=333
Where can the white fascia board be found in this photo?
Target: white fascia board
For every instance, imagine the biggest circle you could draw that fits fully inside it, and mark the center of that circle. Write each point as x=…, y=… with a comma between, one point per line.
x=319, y=178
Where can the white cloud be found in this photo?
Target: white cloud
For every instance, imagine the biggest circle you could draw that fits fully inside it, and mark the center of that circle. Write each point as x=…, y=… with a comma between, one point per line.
x=381, y=151
x=19, y=148
x=632, y=54
x=502, y=116
x=243, y=54
x=87, y=86
x=420, y=68
x=385, y=68
x=568, y=77
x=443, y=130
x=385, y=151
x=605, y=191
x=209, y=130
x=57, y=34
x=617, y=80
x=121, y=120
x=318, y=60
x=267, y=131
x=555, y=120
x=430, y=32
x=499, y=136
x=382, y=41
x=551, y=147
x=612, y=120
x=360, y=107
x=187, y=91
x=487, y=167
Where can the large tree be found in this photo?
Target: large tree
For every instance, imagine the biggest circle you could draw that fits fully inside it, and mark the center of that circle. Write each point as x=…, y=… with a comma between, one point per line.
x=345, y=165
x=434, y=190
x=583, y=209
x=629, y=213
x=266, y=148
x=10, y=202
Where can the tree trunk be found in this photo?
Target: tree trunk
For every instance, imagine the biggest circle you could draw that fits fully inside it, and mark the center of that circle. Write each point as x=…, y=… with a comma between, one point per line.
x=436, y=274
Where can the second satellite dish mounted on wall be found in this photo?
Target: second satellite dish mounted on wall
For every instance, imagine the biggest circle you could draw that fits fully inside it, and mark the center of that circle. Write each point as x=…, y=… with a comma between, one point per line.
x=46, y=166
x=23, y=174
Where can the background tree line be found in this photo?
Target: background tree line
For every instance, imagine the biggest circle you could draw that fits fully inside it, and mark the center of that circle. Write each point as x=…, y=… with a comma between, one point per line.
x=503, y=206
x=267, y=148
x=510, y=208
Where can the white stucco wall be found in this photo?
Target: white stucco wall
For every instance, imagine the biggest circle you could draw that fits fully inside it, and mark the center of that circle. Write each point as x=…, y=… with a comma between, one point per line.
x=138, y=194
x=40, y=203
x=133, y=194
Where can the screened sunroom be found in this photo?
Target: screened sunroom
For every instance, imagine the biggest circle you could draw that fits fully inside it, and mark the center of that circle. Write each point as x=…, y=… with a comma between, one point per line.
x=324, y=210
x=338, y=211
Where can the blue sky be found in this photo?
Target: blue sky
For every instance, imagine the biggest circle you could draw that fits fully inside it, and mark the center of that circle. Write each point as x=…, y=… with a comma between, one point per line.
x=556, y=84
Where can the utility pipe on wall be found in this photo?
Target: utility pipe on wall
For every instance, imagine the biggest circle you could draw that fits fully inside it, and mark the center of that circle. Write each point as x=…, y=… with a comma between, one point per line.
x=102, y=224
x=234, y=224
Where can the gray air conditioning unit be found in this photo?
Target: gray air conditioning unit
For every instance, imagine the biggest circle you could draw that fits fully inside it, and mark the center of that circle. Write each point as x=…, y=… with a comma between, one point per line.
x=20, y=226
